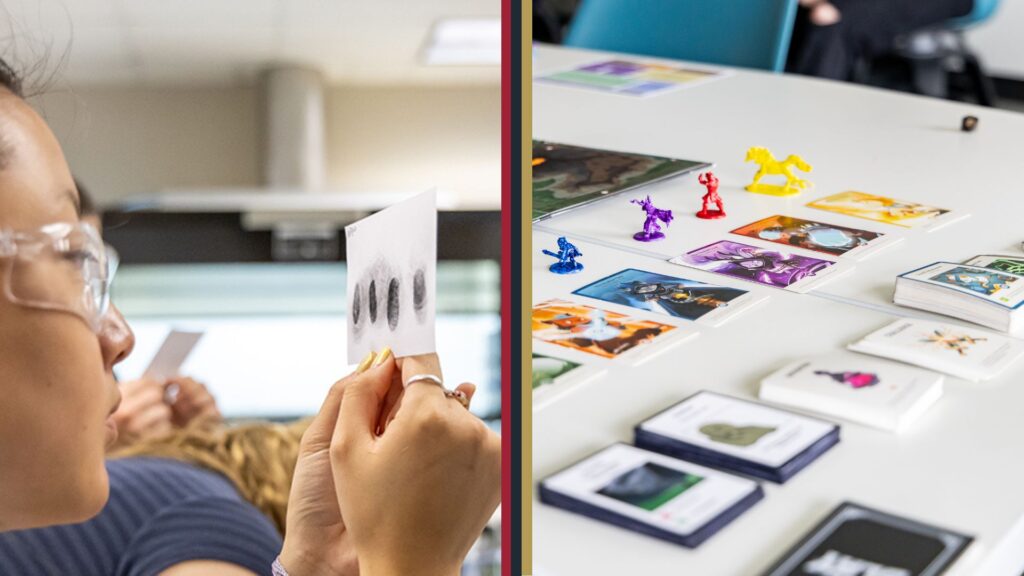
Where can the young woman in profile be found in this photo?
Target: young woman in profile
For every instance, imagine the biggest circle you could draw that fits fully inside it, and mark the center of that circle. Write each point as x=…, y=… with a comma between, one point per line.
x=393, y=475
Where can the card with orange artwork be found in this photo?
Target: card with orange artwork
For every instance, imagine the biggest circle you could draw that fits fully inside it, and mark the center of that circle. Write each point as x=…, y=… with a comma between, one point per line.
x=600, y=332
x=887, y=210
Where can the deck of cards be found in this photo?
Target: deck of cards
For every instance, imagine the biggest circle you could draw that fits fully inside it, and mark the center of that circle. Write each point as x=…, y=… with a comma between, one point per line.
x=969, y=353
x=739, y=436
x=854, y=387
x=856, y=540
x=651, y=494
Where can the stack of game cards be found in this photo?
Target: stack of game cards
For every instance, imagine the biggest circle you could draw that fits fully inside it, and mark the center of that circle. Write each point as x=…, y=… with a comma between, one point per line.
x=986, y=296
x=857, y=388
x=651, y=493
x=737, y=435
x=968, y=353
x=856, y=540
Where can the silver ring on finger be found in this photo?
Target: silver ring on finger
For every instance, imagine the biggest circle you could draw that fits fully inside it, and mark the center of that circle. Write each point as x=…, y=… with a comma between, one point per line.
x=458, y=395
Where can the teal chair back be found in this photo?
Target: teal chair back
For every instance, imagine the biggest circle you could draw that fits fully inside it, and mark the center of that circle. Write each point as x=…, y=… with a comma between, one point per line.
x=741, y=33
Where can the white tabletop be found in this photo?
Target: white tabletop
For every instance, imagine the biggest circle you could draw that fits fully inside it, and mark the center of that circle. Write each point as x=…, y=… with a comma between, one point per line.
x=957, y=467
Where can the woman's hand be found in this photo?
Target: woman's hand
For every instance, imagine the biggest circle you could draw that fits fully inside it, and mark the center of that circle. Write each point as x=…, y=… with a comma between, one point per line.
x=192, y=403
x=316, y=541
x=142, y=413
x=417, y=497
x=147, y=412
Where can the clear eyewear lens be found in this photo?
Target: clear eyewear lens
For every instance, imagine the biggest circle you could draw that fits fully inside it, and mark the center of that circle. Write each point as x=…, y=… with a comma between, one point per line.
x=62, y=267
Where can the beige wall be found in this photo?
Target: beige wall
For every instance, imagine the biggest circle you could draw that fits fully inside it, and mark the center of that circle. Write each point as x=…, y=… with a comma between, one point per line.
x=124, y=142
x=409, y=140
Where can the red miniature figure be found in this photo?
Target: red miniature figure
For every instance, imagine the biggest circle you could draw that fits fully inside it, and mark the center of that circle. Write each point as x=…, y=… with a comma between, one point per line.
x=708, y=179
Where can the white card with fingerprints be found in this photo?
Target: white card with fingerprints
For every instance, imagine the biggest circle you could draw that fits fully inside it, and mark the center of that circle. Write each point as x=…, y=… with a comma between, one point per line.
x=392, y=279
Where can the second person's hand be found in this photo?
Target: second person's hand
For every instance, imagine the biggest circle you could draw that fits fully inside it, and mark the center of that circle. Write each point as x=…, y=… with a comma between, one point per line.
x=143, y=413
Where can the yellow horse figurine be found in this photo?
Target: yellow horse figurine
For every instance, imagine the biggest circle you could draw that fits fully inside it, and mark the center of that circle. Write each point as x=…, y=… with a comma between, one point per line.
x=769, y=166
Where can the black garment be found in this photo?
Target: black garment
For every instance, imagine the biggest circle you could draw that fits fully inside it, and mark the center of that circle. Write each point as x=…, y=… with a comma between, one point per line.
x=867, y=29
x=160, y=513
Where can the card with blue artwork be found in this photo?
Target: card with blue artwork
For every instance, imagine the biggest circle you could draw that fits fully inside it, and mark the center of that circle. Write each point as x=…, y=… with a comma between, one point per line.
x=995, y=286
x=670, y=295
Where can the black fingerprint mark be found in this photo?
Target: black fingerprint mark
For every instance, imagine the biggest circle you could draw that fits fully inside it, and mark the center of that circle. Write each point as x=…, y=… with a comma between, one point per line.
x=357, y=311
x=373, y=301
x=419, y=290
x=393, y=303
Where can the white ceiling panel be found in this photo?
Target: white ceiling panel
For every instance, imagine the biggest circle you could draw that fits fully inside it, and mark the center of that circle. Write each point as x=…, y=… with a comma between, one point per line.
x=190, y=42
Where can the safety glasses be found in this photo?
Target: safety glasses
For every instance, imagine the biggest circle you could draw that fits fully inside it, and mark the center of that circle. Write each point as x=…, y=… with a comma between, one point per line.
x=62, y=266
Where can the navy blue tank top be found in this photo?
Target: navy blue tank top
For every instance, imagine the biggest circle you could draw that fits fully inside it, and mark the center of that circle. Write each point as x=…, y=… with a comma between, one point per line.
x=160, y=513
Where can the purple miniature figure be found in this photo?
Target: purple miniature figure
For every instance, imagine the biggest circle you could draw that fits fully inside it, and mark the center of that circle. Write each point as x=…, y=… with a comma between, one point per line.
x=651, y=229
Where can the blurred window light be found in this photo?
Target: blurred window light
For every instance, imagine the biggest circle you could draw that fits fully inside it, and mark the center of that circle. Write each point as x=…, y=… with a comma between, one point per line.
x=464, y=42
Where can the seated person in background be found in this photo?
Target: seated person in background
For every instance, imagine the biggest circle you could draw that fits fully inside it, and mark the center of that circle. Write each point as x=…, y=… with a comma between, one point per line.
x=207, y=499
x=163, y=517
x=147, y=410
x=832, y=35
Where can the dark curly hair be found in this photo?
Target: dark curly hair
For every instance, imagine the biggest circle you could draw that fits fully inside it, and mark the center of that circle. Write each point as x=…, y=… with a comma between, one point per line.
x=9, y=78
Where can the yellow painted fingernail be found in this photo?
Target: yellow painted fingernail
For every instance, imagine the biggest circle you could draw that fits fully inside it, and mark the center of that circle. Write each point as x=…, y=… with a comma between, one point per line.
x=365, y=364
x=383, y=356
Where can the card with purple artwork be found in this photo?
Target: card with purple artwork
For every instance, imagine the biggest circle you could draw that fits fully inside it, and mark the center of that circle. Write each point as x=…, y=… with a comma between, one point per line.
x=631, y=78
x=779, y=269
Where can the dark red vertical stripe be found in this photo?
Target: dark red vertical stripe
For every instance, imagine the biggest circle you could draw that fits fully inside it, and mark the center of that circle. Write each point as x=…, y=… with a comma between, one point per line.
x=508, y=140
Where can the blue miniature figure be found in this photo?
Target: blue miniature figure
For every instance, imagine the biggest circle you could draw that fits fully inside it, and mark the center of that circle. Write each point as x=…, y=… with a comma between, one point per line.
x=567, y=255
x=651, y=229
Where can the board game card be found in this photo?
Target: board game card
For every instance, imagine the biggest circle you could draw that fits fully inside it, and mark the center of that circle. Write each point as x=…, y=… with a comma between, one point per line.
x=1011, y=264
x=887, y=210
x=547, y=370
x=676, y=297
x=567, y=177
x=969, y=353
x=651, y=493
x=592, y=330
x=855, y=387
x=855, y=540
x=738, y=436
x=631, y=78
x=817, y=236
x=553, y=377
x=1001, y=288
x=769, y=267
